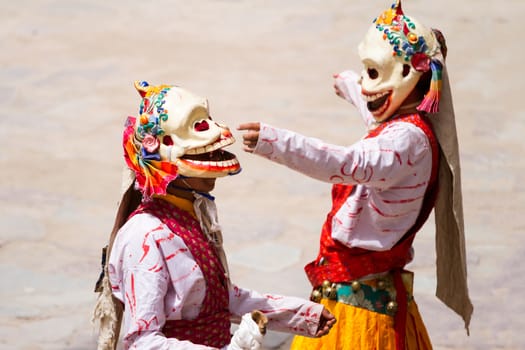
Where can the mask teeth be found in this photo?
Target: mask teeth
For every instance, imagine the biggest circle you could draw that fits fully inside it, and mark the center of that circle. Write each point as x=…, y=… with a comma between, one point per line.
x=430, y=103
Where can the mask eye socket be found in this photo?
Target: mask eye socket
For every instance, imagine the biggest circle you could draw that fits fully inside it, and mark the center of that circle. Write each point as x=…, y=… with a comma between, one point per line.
x=201, y=126
x=372, y=73
x=406, y=70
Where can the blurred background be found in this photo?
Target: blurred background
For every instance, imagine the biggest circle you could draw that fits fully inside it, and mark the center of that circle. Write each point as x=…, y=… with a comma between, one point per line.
x=66, y=86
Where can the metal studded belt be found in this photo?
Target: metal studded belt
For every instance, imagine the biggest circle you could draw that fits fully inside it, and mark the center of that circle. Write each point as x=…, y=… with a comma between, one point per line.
x=377, y=295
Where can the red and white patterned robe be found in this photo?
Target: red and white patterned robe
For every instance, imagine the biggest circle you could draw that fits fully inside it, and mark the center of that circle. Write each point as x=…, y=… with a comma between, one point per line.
x=153, y=272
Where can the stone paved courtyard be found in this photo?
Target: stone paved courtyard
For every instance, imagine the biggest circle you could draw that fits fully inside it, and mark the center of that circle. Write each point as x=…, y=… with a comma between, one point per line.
x=66, y=74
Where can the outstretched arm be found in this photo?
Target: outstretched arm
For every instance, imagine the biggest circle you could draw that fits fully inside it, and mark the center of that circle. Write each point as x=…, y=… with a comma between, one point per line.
x=378, y=161
x=285, y=313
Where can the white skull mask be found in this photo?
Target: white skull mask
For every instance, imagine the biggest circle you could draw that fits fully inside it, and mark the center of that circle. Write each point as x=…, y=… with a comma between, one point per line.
x=395, y=53
x=180, y=130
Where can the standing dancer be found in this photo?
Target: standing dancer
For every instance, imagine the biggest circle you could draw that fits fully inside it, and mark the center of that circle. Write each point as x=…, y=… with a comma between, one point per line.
x=385, y=187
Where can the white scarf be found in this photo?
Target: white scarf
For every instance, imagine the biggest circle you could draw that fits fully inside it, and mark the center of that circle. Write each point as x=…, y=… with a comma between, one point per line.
x=206, y=212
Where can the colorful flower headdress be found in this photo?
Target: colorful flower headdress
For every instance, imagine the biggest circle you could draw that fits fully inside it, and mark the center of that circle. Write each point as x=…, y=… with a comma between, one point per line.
x=399, y=30
x=141, y=142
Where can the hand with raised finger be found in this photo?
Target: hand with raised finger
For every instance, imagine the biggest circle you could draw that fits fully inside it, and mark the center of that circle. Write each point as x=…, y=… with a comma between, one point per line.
x=251, y=136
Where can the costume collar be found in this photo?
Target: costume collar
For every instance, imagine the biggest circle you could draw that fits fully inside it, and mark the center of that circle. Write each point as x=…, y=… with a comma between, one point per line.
x=181, y=203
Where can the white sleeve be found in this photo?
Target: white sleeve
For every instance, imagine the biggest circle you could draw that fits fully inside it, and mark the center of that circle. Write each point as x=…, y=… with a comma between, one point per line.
x=285, y=314
x=347, y=82
x=379, y=161
x=140, y=280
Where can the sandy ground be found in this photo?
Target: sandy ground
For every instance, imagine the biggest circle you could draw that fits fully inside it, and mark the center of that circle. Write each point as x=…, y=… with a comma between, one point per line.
x=66, y=73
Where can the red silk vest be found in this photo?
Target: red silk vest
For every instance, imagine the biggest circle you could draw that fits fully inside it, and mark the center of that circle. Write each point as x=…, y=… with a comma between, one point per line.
x=212, y=325
x=338, y=263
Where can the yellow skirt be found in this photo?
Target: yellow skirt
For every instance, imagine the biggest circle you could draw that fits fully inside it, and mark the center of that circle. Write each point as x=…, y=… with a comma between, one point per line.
x=360, y=329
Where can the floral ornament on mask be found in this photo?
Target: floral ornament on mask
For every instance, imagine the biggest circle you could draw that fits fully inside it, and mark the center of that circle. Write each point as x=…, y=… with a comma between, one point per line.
x=398, y=30
x=141, y=143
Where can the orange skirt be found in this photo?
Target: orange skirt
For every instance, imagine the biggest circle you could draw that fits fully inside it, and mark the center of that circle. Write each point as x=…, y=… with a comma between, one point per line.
x=361, y=329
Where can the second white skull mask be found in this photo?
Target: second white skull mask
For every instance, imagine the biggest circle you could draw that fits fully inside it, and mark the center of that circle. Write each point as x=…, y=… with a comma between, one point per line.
x=395, y=53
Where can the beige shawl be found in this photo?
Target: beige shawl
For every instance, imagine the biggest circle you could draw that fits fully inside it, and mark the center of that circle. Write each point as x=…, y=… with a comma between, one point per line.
x=451, y=264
